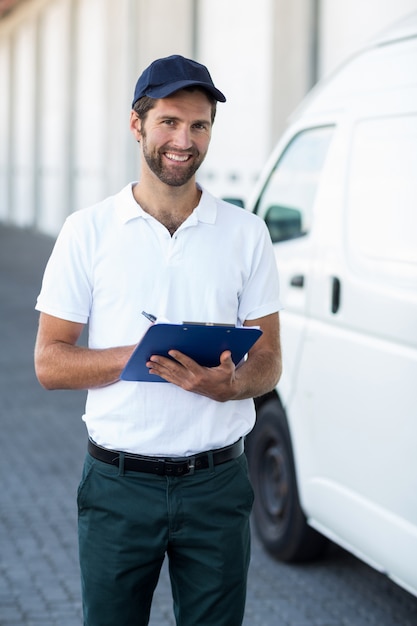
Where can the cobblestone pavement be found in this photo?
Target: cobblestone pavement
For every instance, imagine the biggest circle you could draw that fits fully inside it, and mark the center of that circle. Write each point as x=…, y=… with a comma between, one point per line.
x=42, y=442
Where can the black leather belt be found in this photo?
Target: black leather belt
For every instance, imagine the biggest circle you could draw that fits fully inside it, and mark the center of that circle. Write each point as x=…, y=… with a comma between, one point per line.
x=167, y=466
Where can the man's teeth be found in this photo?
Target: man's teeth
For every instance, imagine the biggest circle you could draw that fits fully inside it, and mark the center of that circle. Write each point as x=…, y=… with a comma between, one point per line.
x=176, y=157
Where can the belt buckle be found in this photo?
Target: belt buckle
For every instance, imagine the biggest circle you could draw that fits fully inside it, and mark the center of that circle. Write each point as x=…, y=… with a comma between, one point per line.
x=191, y=466
x=173, y=468
x=160, y=467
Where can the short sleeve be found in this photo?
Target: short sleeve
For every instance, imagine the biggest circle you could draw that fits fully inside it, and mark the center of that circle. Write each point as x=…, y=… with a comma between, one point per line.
x=66, y=287
x=260, y=295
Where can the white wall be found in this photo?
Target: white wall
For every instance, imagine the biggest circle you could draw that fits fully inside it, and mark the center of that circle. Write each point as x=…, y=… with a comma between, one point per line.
x=23, y=126
x=346, y=26
x=235, y=42
x=54, y=117
x=5, y=81
x=68, y=70
x=90, y=103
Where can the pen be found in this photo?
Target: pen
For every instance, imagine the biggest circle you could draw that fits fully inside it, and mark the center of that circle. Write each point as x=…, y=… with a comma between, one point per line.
x=208, y=324
x=149, y=316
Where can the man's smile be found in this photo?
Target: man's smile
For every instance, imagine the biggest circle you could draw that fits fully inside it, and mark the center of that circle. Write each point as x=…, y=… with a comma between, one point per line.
x=177, y=157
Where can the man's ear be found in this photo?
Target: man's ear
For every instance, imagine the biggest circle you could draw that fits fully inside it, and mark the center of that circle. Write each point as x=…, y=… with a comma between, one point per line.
x=135, y=125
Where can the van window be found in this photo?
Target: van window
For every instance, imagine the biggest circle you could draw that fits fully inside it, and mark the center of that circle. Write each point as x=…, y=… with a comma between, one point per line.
x=382, y=201
x=286, y=202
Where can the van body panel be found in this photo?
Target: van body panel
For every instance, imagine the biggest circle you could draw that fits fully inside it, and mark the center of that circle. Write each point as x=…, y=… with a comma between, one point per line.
x=349, y=289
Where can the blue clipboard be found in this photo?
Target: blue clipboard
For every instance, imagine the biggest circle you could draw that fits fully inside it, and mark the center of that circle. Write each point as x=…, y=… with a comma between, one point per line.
x=203, y=343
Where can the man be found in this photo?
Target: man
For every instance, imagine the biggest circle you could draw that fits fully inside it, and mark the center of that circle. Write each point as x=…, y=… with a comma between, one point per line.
x=165, y=473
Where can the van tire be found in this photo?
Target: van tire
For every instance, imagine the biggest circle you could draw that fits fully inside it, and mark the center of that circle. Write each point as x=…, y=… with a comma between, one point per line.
x=279, y=521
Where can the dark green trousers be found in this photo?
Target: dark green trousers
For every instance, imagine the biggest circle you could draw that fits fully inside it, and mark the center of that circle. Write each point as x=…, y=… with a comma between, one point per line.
x=129, y=521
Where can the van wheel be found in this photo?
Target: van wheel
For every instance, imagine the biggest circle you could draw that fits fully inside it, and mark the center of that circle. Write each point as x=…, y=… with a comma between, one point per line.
x=279, y=521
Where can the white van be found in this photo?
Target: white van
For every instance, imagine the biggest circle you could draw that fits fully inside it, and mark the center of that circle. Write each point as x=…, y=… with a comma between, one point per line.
x=334, y=451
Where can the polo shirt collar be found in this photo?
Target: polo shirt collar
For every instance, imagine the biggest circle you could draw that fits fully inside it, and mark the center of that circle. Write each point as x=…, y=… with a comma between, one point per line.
x=126, y=206
x=206, y=210
x=128, y=209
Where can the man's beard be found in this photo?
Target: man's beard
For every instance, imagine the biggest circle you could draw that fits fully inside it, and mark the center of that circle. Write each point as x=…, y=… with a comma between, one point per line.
x=175, y=177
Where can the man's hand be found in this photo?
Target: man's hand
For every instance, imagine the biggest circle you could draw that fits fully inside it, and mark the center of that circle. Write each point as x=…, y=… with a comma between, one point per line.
x=254, y=377
x=217, y=383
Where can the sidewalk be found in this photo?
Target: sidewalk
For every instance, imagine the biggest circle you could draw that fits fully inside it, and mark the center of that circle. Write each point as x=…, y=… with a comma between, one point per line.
x=43, y=442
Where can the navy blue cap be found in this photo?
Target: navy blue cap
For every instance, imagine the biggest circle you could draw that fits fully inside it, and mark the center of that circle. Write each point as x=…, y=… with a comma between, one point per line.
x=166, y=76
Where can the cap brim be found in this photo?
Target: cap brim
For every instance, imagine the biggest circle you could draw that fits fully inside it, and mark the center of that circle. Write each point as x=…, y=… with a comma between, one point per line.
x=163, y=91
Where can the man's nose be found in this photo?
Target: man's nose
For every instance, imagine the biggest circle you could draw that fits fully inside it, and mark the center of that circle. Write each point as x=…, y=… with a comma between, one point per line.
x=182, y=138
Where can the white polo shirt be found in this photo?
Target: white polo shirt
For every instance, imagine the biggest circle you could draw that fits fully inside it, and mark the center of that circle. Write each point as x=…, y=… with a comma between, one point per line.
x=113, y=260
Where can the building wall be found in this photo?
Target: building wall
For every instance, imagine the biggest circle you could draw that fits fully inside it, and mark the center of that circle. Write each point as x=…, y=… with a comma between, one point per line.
x=345, y=26
x=68, y=69
x=235, y=40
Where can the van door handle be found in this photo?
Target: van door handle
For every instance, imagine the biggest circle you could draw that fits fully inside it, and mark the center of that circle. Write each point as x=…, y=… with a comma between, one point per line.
x=297, y=281
x=335, y=294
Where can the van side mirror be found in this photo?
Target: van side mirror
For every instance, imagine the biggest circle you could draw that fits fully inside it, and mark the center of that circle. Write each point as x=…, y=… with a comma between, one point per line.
x=236, y=201
x=283, y=223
